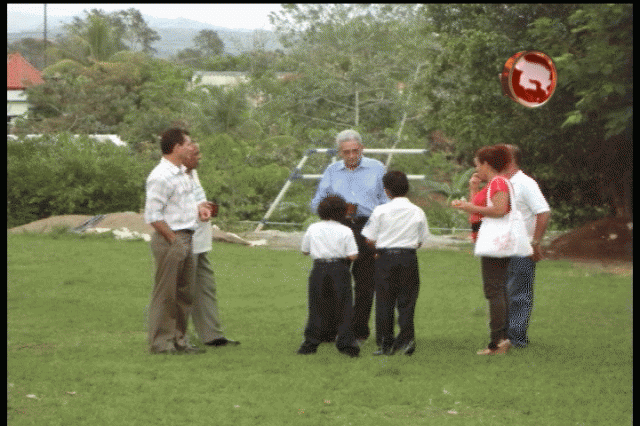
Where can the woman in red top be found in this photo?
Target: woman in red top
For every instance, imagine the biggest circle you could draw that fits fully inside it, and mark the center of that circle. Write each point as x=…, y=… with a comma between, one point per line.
x=490, y=162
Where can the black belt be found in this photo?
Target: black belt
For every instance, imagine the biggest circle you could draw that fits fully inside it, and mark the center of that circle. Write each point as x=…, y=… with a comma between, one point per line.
x=397, y=251
x=334, y=260
x=475, y=227
x=357, y=221
x=186, y=231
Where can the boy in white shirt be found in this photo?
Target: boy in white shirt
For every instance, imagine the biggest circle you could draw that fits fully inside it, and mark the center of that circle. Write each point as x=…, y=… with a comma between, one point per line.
x=396, y=229
x=332, y=247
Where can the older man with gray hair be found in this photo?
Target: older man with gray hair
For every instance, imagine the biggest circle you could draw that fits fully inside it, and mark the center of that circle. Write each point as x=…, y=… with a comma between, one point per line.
x=358, y=180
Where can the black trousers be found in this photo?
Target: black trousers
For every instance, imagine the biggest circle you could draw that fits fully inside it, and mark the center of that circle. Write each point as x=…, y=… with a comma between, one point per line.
x=397, y=283
x=363, y=269
x=330, y=304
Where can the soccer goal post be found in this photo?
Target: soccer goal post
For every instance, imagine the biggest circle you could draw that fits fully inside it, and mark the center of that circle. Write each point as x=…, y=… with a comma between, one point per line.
x=296, y=172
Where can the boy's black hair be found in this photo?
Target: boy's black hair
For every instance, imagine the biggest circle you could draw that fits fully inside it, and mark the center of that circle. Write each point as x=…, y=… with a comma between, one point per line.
x=396, y=183
x=332, y=207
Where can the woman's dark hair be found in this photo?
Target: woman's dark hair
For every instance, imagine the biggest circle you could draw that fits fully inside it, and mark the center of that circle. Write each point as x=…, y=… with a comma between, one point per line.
x=172, y=137
x=498, y=156
x=332, y=207
x=396, y=183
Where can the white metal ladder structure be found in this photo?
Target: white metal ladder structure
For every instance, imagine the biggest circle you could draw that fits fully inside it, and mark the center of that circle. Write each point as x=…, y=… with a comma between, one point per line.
x=295, y=174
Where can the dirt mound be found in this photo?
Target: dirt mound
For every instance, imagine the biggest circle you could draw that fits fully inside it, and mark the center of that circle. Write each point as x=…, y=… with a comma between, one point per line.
x=609, y=239
x=130, y=220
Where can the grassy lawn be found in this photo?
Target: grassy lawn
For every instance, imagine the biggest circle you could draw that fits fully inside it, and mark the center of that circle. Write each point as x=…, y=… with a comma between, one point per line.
x=77, y=345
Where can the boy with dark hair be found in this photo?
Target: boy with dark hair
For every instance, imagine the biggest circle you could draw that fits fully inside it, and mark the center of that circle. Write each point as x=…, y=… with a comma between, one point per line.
x=332, y=246
x=396, y=229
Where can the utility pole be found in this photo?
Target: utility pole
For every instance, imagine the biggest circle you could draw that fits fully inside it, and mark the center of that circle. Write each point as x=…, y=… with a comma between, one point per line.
x=45, y=36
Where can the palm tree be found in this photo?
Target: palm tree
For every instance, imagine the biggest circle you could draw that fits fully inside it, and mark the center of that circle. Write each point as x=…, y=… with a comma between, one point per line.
x=90, y=41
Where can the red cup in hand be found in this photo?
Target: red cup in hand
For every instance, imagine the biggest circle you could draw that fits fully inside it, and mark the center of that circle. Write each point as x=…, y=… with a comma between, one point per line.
x=213, y=207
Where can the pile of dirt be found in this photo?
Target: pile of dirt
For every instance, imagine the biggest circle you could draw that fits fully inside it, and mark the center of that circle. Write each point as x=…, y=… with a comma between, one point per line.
x=130, y=220
x=609, y=239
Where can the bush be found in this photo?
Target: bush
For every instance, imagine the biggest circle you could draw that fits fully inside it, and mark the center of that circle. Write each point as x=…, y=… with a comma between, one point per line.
x=63, y=175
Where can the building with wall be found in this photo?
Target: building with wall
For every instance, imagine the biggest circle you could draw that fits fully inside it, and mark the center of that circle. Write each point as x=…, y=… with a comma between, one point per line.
x=20, y=75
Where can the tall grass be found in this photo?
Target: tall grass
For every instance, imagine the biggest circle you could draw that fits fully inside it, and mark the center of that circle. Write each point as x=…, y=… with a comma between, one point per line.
x=77, y=345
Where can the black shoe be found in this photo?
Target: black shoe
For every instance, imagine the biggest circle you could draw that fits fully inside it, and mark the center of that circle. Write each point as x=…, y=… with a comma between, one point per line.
x=407, y=349
x=307, y=349
x=352, y=351
x=223, y=341
x=383, y=351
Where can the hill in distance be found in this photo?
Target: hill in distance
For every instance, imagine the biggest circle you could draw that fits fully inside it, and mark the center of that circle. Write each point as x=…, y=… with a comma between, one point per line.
x=176, y=34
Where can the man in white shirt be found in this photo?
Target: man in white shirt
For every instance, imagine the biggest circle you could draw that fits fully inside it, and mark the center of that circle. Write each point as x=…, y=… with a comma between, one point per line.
x=521, y=272
x=172, y=210
x=205, y=303
x=332, y=247
x=396, y=229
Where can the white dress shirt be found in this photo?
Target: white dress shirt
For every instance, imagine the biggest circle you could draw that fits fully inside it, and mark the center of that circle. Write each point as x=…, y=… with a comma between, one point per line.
x=201, y=240
x=529, y=199
x=170, y=197
x=397, y=224
x=329, y=239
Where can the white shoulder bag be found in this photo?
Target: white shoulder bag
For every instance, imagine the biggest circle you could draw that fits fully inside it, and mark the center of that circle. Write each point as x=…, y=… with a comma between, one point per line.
x=503, y=236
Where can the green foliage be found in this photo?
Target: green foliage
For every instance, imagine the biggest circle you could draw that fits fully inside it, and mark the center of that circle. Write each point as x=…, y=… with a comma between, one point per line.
x=584, y=130
x=63, y=175
x=233, y=174
x=209, y=43
x=458, y=188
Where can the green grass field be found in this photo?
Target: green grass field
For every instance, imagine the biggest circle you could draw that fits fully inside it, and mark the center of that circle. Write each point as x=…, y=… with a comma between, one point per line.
x=77, y=346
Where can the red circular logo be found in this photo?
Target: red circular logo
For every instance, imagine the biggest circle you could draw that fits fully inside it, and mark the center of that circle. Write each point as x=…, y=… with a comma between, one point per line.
x=529, y=78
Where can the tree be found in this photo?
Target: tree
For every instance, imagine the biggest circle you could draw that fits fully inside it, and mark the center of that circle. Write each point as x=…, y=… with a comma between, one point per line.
x=208, y=42
x=99, y=35
x=31, y=49
x=590, y=44
x=137, y=32
x=134, y=95
x=350, y=62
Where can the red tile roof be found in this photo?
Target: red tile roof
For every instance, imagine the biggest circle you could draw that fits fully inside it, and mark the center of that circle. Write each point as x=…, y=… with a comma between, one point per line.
x=21, y=73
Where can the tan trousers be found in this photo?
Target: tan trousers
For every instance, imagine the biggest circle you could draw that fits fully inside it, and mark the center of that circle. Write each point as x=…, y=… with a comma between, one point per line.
x=171, y=298
x=205, y=302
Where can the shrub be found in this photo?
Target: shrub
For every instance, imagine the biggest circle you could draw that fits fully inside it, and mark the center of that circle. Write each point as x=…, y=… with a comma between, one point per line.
x=63, y=175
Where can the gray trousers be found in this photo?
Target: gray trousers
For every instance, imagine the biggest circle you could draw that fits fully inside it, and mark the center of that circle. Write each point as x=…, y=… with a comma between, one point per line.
x=171, y=299
x=204, y=314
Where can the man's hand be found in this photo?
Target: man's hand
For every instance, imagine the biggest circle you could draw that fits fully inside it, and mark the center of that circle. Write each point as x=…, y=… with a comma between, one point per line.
x=462, y=205
x=207, y=210
x=204, y=211
x=537, y=253
x=474, y=182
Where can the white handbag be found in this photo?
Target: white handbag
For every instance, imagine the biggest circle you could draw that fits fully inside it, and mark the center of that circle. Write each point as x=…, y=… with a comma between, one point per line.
x=503, y=236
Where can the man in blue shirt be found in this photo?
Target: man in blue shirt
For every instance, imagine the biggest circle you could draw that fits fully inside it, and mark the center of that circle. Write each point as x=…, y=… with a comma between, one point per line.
x=358, y=180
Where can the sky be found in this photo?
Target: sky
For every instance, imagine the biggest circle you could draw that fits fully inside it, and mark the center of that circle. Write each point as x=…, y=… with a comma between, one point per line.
x=234, y=16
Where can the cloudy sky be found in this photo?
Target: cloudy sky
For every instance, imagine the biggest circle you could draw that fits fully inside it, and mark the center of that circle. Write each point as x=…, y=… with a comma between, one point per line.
x=234, y=16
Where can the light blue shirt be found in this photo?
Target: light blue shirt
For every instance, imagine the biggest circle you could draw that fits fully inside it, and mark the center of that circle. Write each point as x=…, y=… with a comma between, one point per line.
x=361, y=186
